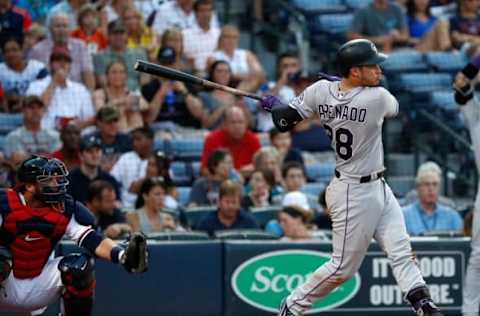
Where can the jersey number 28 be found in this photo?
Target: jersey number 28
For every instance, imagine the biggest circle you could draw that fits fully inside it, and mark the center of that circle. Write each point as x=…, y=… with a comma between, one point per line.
x=343, y=141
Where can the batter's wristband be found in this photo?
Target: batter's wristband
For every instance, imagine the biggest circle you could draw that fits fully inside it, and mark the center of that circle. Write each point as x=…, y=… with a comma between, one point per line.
x=470, y=71
x=115, y=254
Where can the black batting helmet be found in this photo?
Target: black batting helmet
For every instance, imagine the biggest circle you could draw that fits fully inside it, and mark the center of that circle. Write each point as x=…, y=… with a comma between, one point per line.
x=49, y=173
x=357, y=52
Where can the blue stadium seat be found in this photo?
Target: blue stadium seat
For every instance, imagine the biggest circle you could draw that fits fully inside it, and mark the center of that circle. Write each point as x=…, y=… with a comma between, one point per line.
x=195, y=214
x=9, y=122
x=446, y=61
x=195, y=166
x=332, y=24
x=320, y=172
x=264, y=214
x=159, y=144
x=310, y=7
x=187, y=149
x=404, y=61
x=357, y=4
x=181, y=173
x=183, y=194
x=444, y=100
x=2, y=142
x=425, y=82
x=313, y=189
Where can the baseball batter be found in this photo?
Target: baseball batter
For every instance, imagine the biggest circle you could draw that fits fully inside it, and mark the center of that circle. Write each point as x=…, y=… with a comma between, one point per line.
x=360, y=202
x=471, y=109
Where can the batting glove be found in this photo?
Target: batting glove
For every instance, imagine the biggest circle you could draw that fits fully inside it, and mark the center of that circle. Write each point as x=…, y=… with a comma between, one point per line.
x=270, y=101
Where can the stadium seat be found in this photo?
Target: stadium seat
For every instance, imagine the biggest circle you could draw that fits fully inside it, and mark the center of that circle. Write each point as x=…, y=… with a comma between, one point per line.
x=357, y=4
x=320, y=172
x=404, y=61
x=186, y=149
x=239, y=234
x=195, y=166
x=2, y=141
x=424, y=82
x=9, y=122
x=446, y=61
x=444, y=100
x=181, y=173
x=174, y=236
x=159, y=144
x=182, y=195
x=264, y=214
x=309, y=7
x=332, y=24
x=195, y=214
x=313, y=189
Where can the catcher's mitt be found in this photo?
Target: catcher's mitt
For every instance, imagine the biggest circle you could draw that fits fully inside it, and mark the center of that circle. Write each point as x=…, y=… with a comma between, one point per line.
x=135, y=257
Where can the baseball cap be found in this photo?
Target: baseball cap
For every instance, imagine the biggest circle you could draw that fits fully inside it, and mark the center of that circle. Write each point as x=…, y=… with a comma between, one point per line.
x=108, y=114
x=32, y=99
x=166, y=55
x=116, y=26
x=60, y=53
x=90, y=142
x=296, y=198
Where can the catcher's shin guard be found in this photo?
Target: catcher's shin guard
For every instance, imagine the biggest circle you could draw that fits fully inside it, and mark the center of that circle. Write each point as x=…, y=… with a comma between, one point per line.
x=422, y=303
x=78, y=278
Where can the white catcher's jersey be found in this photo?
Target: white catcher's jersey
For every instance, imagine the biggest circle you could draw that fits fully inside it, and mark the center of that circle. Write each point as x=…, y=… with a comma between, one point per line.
x=353, y=119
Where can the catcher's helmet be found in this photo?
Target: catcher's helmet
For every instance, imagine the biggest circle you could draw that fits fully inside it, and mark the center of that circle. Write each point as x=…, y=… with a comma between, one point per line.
x=49, y=173
x=358, y=52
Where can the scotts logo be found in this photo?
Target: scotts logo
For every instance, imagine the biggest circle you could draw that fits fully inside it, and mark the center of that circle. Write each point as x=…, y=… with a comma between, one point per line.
x=263, y=281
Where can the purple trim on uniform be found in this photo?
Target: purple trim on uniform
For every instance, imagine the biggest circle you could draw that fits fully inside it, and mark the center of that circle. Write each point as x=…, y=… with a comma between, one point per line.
x=341, y=259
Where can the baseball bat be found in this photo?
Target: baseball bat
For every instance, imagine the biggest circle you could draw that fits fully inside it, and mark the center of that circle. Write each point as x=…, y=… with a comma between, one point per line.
x=173, y=74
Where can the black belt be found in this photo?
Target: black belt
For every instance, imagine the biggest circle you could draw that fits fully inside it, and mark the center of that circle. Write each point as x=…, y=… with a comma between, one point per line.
x=363, y=179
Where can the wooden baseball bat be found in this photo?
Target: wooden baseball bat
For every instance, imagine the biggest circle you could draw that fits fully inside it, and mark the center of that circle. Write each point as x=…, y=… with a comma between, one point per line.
x=173, y=74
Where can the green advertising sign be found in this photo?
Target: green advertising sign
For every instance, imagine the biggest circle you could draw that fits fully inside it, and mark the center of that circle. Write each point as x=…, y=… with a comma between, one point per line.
x=264, y=280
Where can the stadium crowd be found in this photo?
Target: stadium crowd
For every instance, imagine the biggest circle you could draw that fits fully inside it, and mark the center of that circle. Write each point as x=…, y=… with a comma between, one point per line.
x=150, y=154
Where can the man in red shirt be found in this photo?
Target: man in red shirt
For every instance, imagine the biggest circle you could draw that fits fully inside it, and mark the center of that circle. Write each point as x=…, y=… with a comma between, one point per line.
x=234, y=136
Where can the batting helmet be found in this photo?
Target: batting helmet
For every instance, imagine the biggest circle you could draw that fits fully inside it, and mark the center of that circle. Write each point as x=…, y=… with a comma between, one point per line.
x=358, y=52
x=49, y=173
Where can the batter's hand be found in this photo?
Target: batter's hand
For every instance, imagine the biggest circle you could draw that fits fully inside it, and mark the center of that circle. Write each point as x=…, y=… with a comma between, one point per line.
x=135, y=257
x=270, y=101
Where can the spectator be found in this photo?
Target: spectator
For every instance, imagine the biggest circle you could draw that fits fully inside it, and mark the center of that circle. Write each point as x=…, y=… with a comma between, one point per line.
x=139, y=35
x=89, y=29
x=200, y=41
x=151, y=214
x=269, y=158
x=13, y=21
x=283, y=143
x=246, y=68
x=294, y=222
x=65, y=100
x=81, y=61
x=205, y=190
x=69, y=153
x=35, y=34
x=16, y=73
x=427, y=215
x=101, y=200
x=37, y=10
x=115, y=93
x=234, y=136
x=31, y=138
x=133, y=164
x=176, y=13
x=171, y=102
x=427, y=32
x=173, y=38
x=229, y=215
x=7, y=173
x=215, y=101
x=117, y=50
x=114, y=143
x=288, y=64
x=465, y=25
x=158, y=167
x=261, y=183
x=383, y=22
x=70, y=8
x=294, y=179
x=89, y=170
x=114, y=8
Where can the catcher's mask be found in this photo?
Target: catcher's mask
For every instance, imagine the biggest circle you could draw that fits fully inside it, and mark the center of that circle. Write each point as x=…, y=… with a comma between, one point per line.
x=49, y=174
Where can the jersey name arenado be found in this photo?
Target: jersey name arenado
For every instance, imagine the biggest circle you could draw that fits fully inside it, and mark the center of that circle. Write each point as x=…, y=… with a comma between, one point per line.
x=353, y=119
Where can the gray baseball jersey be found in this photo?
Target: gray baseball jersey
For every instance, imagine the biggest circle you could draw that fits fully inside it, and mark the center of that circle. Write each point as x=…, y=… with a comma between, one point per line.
x=353, y=120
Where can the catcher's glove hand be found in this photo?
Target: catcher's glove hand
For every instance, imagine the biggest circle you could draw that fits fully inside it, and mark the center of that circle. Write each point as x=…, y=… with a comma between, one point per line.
x=135, y=257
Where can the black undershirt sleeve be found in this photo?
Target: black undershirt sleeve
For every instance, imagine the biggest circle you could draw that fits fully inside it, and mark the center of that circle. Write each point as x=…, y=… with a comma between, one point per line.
x=285, y=118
